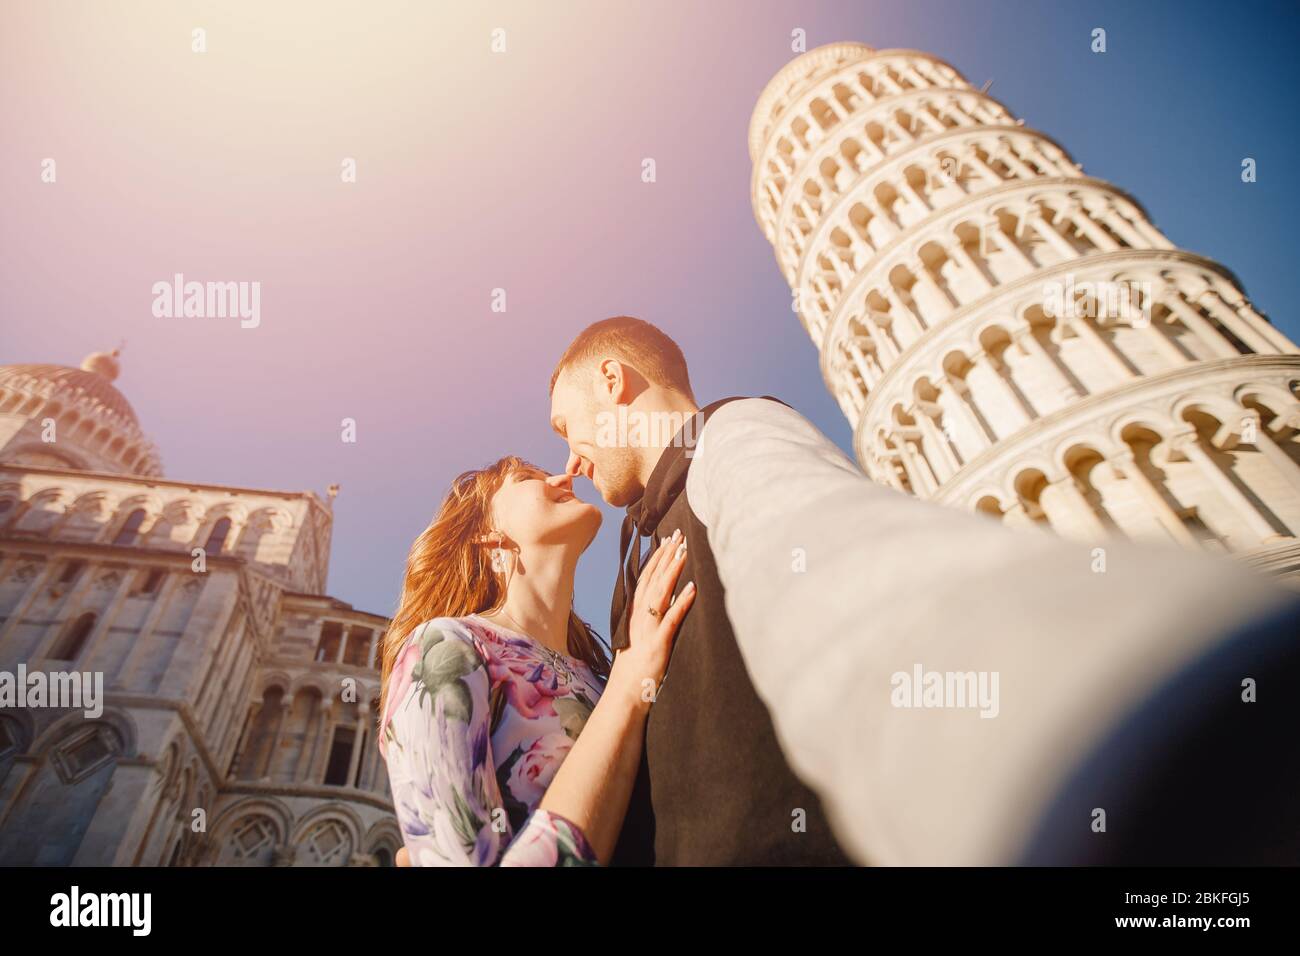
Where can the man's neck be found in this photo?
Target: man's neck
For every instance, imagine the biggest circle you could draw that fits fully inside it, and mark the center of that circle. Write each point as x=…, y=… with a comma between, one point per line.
x=665, y=406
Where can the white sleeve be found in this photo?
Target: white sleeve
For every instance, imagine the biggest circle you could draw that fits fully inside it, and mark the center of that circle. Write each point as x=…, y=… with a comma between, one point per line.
x=841, y=591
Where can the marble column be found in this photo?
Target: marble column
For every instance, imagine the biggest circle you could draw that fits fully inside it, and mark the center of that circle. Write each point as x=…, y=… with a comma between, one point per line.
x=859, y=361
x=900, y=308
x=944, y=459
x=1279, y=459
x=957, y=252
x=1035, y=221
x=358, y=741
x=965, y=408
x=1188, y=444
x=1253, y=336
x=1016, y=516
x=310, y=734
x=1094, y=232
x=1083, y=328
x=273, y=753
x=1126, y=466
x=1115, y=219
x=1198, y=325
x=1002, y=381
x=1005, y=243
x=1068, y=510
x=324, y=737
x=1024, y=338
x=985, y=171
x=250, y=720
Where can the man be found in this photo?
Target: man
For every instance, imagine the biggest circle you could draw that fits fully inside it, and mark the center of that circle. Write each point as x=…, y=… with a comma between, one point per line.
x=714, y=787
x=799, y=721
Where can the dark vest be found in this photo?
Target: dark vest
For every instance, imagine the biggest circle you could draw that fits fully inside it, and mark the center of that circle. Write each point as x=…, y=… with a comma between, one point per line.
x=713, y=788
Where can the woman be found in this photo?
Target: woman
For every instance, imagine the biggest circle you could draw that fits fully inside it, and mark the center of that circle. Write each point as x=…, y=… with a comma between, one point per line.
x=510, y=739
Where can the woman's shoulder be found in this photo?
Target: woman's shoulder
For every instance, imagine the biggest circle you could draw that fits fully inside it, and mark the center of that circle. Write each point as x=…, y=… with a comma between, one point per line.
x=458, y=632
x=436, y=652
x=437, y=655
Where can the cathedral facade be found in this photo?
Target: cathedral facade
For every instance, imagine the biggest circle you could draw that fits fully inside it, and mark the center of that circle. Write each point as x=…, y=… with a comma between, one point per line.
x=239, y=701
x=1009, y=335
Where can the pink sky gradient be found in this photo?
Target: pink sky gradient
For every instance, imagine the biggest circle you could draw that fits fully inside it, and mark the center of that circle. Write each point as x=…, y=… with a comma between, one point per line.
x=475, y=171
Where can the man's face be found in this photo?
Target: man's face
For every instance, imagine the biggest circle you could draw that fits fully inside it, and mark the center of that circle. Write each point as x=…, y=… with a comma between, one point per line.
x=581, y=403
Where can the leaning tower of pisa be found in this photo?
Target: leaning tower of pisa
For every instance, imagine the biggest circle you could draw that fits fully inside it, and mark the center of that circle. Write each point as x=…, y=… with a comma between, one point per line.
x=1010, y=335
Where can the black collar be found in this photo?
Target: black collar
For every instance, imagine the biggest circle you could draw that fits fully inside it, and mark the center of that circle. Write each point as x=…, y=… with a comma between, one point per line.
x=667, y=481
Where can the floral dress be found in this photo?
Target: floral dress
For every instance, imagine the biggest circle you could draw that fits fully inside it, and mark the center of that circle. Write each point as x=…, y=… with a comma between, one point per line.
x=479, y=719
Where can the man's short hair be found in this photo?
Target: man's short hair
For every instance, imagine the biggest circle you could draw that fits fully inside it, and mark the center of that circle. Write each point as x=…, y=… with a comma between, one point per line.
x=635, y=342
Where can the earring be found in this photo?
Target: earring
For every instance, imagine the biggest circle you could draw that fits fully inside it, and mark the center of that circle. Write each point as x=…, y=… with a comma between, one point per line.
x=498, y=553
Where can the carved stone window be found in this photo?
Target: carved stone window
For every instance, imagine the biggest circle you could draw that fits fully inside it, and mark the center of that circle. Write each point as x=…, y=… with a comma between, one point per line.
x=252, y=839
x=86, y=752
x=328, y=844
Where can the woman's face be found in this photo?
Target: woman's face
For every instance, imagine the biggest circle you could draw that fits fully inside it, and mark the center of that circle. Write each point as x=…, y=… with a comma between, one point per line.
x=533, y=507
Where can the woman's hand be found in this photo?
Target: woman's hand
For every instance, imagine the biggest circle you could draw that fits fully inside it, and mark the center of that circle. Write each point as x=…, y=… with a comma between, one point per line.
x=653, y=619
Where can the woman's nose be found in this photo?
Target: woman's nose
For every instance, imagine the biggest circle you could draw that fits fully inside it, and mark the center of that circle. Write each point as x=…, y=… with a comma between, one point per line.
x=560, y=481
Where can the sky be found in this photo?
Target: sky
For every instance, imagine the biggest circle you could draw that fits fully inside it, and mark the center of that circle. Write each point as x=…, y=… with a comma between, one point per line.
x=521, y=170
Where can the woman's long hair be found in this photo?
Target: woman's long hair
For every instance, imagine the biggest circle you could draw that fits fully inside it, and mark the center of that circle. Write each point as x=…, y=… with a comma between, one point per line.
x=449, y=571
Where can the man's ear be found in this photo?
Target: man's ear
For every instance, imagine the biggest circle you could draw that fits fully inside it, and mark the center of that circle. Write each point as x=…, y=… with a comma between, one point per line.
x=613, y=378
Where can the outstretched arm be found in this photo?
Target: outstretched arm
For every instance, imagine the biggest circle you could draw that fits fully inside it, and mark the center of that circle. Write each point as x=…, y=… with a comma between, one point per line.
x=842, y=591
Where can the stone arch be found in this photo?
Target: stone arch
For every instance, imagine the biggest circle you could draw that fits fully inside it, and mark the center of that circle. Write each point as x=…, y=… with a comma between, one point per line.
x=1279, y=402
x=1025, y=485
x=987, y=502
x=328, y=836
x=252, y=832
x=270, y=680
x=88, y=515
x=304, y=721
x=1157, y=423
x=1243, y=502
x=44, y=509
x=1217, y=406
x=1092, y=439
x=383, y=836
x=311, y=681
x=11, y=509
x=1084, y=459
x=257, y=760
x=175, y=522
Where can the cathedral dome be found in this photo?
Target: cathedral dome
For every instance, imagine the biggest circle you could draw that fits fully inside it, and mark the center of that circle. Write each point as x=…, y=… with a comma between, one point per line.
x=96, y=427
x=93, y=381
